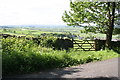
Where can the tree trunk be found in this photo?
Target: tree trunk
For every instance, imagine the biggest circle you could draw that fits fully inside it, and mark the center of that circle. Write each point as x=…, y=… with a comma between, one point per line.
x=111, y=16
x=109, y=38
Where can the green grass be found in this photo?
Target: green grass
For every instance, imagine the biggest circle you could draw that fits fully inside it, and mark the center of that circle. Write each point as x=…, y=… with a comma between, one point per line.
x=23, y=56
x=95, y=55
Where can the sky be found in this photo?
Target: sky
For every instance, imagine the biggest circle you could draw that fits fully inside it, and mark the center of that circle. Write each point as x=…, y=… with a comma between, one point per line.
x=20, y=12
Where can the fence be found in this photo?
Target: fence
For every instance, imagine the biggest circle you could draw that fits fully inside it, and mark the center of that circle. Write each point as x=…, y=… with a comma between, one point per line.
x=94, y=45
x=85, y=45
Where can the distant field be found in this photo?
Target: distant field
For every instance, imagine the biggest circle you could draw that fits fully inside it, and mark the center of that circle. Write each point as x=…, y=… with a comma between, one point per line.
x=37, y=31
x=34, y=31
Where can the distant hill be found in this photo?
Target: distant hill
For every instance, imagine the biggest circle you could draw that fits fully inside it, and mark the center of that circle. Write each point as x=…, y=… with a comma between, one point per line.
x=36, y=26
x=40, y=26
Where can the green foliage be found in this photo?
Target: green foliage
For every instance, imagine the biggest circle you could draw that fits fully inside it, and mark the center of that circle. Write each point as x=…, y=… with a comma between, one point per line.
x=116, y=31
x=47, y=41
x=102, y=14
x=5, y=30
x=90, y=12
x=23, y=56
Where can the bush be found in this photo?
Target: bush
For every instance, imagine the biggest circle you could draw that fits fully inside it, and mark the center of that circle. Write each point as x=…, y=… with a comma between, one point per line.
x=23, y=56
x=47, y=41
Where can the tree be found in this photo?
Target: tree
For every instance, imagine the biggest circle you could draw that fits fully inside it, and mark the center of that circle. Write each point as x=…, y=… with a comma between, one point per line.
x=102, y=14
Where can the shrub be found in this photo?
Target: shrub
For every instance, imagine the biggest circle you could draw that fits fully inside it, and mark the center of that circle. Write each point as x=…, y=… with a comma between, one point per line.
x=47, y=41
x=23, y=56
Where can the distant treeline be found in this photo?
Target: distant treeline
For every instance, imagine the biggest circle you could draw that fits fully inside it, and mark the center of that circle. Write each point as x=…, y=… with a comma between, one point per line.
x=58, y=35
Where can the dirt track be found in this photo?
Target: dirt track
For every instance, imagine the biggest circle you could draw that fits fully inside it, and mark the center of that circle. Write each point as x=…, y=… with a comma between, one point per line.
x=105, y=69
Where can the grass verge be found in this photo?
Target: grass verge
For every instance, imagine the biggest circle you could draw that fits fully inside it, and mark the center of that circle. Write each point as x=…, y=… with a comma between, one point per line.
x=22, y=56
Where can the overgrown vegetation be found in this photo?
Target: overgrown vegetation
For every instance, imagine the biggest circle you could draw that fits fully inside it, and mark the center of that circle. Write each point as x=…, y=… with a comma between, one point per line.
x=23, y=56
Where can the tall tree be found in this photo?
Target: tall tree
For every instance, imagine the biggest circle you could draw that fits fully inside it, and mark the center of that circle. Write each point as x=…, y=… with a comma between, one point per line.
x=102, y=14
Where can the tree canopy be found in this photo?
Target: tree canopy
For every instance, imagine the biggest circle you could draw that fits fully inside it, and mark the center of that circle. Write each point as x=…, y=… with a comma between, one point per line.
x=103, y=14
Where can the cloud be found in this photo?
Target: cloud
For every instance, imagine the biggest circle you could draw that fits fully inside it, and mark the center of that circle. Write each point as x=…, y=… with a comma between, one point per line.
x=32, y=11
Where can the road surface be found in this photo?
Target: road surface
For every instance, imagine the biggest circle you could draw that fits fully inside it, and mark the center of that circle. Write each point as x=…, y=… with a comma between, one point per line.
x=101, y=69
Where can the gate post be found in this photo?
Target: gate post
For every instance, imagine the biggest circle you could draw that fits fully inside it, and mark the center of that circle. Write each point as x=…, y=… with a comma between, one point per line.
x=96, y=44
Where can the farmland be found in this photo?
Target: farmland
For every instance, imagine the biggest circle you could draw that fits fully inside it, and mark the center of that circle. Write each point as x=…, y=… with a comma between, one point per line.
x=35, y=31
x=39, y=30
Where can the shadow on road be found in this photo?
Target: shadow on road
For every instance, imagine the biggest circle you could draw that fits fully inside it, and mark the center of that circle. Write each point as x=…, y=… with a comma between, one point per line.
x=98, y=78
x=57, y=74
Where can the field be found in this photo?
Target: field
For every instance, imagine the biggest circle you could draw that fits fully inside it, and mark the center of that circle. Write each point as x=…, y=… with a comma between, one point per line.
x=35, y=31
x=38, y=30
x=28, y=56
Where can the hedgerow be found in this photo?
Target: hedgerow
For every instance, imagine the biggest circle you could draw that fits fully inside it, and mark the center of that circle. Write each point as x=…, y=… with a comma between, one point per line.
x=23, y=56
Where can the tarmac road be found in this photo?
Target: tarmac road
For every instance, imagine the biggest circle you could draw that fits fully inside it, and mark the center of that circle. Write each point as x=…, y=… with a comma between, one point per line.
x=101, y=69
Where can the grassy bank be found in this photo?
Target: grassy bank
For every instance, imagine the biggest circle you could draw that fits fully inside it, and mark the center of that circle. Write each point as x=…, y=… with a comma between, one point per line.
x=23, y=56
